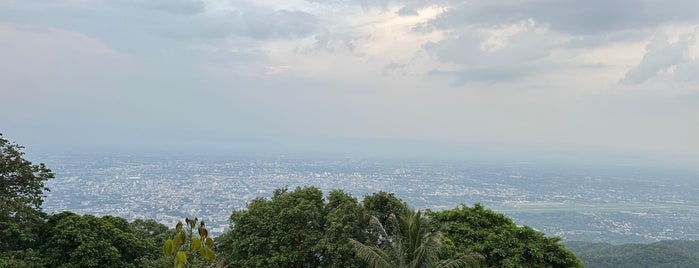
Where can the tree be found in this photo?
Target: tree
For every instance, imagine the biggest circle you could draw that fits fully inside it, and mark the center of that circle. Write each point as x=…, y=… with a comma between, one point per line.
x=345, y=219
x=281, y=232
x=21, y=196
x=412, y=245
x=71, y=240
x=382, y=205
x=500, y=240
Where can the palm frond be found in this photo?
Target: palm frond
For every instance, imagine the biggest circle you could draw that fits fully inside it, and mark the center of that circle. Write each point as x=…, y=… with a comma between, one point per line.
x=375, y=257
x=468, y=260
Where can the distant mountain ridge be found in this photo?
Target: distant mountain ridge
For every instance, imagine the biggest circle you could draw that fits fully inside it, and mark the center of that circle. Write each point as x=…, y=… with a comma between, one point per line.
x=669, y=253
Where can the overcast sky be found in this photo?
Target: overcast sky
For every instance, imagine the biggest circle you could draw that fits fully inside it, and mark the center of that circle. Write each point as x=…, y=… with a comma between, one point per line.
x=544, y=75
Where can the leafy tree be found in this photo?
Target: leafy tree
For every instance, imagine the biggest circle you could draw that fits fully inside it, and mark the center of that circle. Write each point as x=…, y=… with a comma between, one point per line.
x=149, y=229
x=382, y=205
x=412, y=245
x=71, y=240
x=500, y=240
x=345, y=219
x=21, y=196
x=281, y=232
x=20, y=259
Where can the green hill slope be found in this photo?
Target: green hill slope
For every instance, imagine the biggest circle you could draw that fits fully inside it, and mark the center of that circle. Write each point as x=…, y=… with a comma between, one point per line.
x=673, y=253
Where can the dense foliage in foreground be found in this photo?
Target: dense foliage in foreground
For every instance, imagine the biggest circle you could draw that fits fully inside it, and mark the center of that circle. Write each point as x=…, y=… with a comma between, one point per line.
x=299, y=228
x=663, y=254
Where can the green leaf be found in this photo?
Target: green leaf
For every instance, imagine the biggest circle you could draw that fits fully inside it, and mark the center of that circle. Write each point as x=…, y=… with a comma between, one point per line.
x=208, y=254
x=209, y=242
x=195, y=244
x=180, y=238
x=180, y=259
x=168, y=248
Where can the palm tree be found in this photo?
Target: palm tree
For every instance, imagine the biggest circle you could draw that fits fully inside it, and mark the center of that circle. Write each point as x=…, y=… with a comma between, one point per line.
x=413, y=245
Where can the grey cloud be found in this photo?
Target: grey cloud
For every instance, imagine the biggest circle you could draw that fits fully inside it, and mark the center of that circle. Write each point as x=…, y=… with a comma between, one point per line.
x=363, y=3
x=687, y=72
x=570, y=16
x=265, y=24
x=595, y=41
x=407, y=11
x=395, y=68
x=465, y=49
x=256, y=24
x=483, y=75
x=660, y=55
x=187, y=7
x=322, y=41
x=409, y=6
x=517, y=59
x=148, y=29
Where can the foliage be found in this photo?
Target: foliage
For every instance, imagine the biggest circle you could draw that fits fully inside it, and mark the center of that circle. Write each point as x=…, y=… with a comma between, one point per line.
x=345, y=219
x=185, y=246
x=292, y=229
x=500, y=240
x=281, y=232
x=21, y=196
x=20, y=259
x=383, y=205
x=299, y=229
x=660, y=254
x=412, y=245
x=71, y=240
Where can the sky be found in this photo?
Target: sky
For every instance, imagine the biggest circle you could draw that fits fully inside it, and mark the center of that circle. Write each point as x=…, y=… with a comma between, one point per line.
x=554, y=77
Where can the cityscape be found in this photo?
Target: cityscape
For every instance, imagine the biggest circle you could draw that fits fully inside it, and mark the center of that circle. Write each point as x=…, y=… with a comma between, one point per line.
x=612, y=204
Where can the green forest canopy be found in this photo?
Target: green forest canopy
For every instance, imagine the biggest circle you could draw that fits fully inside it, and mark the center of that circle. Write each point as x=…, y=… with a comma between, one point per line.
x=299, y=228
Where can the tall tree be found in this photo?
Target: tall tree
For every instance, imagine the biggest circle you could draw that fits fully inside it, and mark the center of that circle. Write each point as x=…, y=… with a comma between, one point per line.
x=21, y=196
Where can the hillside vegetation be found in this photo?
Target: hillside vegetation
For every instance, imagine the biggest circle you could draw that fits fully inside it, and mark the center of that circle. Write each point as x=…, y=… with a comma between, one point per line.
x=299, y=228
x=663, y=254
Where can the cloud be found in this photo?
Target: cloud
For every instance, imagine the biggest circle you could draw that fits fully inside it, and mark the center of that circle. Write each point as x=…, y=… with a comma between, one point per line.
x=407, y=11
x=505, y=52
x=483, y=75
x=569, y=16
x=663, y=56
x=185, y=7
x=528, y=72
x=265, y=24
